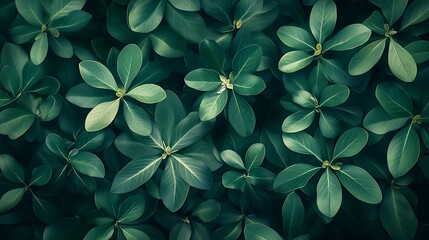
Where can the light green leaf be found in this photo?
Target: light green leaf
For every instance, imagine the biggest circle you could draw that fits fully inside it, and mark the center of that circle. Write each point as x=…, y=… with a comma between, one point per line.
x=416, y=12
x=40, y=176
x=367, y=57
x=144, y=16
x=248, y=85
x=97, y=75
x=334, y=95
x=329, y=194
x=401, y=62
x=137, y=119
x=39, y=50
x=231, y=158
x=193, y=171
x=129, y=62
x=184, y=22
x=360, y=184
x=212, y=105
x=392, y=10
x=294, y=177
x=241, y=115
x=292, y=215
x=102, y=232
x=303, y=98
x=233, y=180
x=88, y=164
x=135, y=173
x=255, y=154
x=296, y=37
x=302, y=143
x=323, y=17
x=207, y=211
x=73, y=22
x=246, y=60
x=102, y=115
x=394, y=99
x=348, y=38
x=11, y=198
x=85, y=96
x=31, y=11
x=147, y=93
x=350, y=143
x=14, y=122
x=380, y=122
x=203, y=79
x=174, y=189
x=298, y=121
x=259, y=231
x=403, y=151
x=294, y=61
x=61, y=8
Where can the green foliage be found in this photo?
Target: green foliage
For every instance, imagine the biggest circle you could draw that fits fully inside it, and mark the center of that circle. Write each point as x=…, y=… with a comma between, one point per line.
x=203, y=119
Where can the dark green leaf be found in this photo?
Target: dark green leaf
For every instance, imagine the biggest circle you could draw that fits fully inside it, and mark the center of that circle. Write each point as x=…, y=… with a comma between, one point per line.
x=334, y=95
x=144, y=16
x=212, y=105
x=379, y=121
x=213, y=56
x=11, y=198
x=394, y=99
x=294, y=177
x=103, y=232
x=131, y=233
x=62, y=8
x=246, y=60
x=419, y=50
x=14, y=122
x=203, y=79
x=129, y=62
x=85, y=96
x=302, y=143
x=40, y=176
x=329, y=194
x=137, y=119
x=296, y=37
x=39, y=50
x=298, y=121
x=350, y=143
x=323, y=17
x=248, y=85
x=261, y=177
x=88, y=164
x=241, y=115
x=254, y=156
x=180, y=230
x=259, y=231
x=329, y=125
x=131, y=208
x=167, y=43
x=416, y=12
x=62, y=47
x=401, y=62
x=173, y=189
x=376, y=22
x=293, y=215
x=207, y=211
x=348, y=38
x=392, y=10
x=31, y=11
x=185, y=22
x=367, y=57
x=190, y=6
x=233, y=180
x=193, y=171
x=74, y=21
x=246, y=9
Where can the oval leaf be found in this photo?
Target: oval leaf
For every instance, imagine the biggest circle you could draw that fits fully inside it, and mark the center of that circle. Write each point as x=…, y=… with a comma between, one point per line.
x=329, y=194
x=102, y=115
x=350, y=143
x=294, y=177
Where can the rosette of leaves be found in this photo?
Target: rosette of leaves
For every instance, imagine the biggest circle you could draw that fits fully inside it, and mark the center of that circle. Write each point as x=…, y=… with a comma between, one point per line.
x=26, y=94
x=105, y=95
x=228, y=92
x=176, y=141
x=192, y=221
x=397, y=112
x=328, y=191
x=46, y=21
x=307, y=47
x=400, y=60
x=307, y=100
x=75, y=159
x=24, y=183
x=119, y=215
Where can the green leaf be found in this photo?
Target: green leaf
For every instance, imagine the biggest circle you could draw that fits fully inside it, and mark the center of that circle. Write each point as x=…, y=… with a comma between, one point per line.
x=302, y=143
x=292, y=215
x=294, y=177
x=376, y=22
x=137, y=172
x=88, y=164
x=56, y=145
x=323, y=17
x=31, y=11
x=246, y=60
x=334, y=95
x=131, y=233
x=392, y=10
x=350, y=143
x=207, y=211
x=259, y=231
x=102, y=232
x=39, y=50
x=97, y=75
x=416, y=12
x=212, y=105
x=85, y=96
x=44, y=210
x=102, y=115
x=246, y=9
x=193, y=171
x=241, y=115
x=40, y=176
x=62, y=47
x=50, y=108
x=403, y=151
x=184, y=22
x=303, y=98
x=189, y=131
x=348, y=38
x=255, y=154
x=144, y=16
x=74, y=21
x=230, y=231
x=248, y=85
x=62, y=8
x=131, y=208
x=360, y=184
x=147, y=93
x=168, y=114
x=367, y=57
x=298, y=121
x=203, y=79
x=10, y=79
x=167, y=43
x=11, y=198
x=296, y=37
x=213, y=56
x=129, y=62
x=137, y=119
x=401, y=62
x=231, y=158
x=294, y=61
x=419, y=50
x=394, y=99
x=190, y=6
x=233, y=180
x=23, y=34
x=259, y=176
x=329, y=194
x=14, y=122
x=329, y=125
x=180, y=230
x=380, y=122
x=397, y=216
x=174, y=189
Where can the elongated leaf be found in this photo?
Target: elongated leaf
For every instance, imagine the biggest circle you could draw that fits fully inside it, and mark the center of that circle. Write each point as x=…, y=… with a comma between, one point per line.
x=394, y=99
x=85, y=96
x=367, y=57
x=10, y=79
x=135, y=173
x=246, y=60
x=254, y=156
x=147, y=93
x=334, y=95
x=392, y=10
x=23, y=34
x=292, y=215
x=14, y=122
x=40, y=176
x=144, y=16
x=397, y=216
x=39, y=50
x=296, y=37
x=193, y=171
x=294, y=177
x=184, y=22
x=379, y=121
x=31, y=11
x=416, y=12
x=302, y=143
x=294, y=61
x=233, y=180
x=131, y=233
x=401, y=62
x=73, y=22
x=241, y=115
x=137, y=119
x=173, y=188
x=348, y=38
x=350, y=143
x=203, y=79
x=323, y=17
x=360, y=184
x=88, y=164
x=207, y=211
x=213, y=55
x=212, y=105
x=329, y=126
x=61, y=8
x=11, y=198
x=403, y=151
x=102, y=115
x=131, y=208
x=102, y=232
x=97, y=75
x=129, y=62
x=248, y=85
x=259, y=231
x=57, y=145
x=298, y=121
x=329, y=194
x=246, y=9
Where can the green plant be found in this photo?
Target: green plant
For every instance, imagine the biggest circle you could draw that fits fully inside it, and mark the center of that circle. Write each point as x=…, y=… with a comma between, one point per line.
x=214, y=119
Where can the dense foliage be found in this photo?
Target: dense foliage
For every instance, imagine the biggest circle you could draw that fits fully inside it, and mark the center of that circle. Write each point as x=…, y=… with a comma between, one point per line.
x=214, y=119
